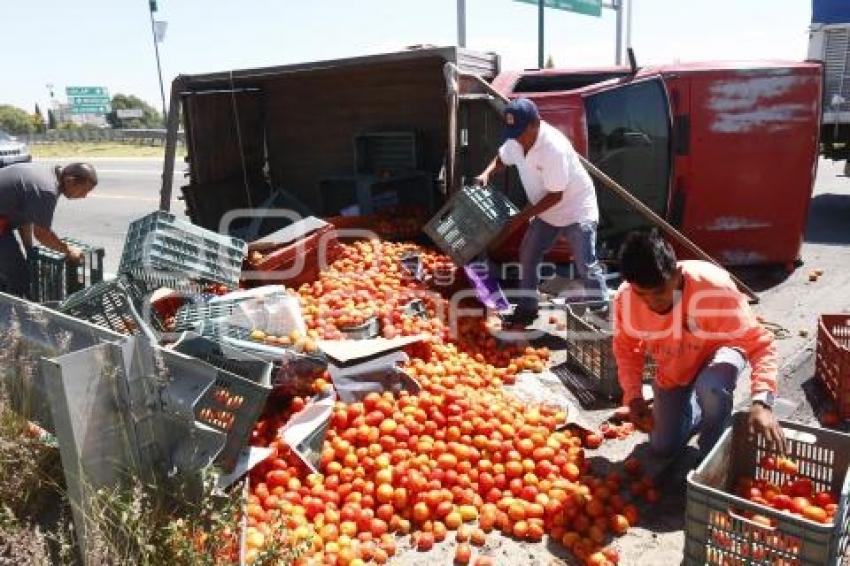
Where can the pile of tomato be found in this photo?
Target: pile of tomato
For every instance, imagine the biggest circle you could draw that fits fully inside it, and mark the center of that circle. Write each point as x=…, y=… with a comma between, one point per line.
x=461, y=456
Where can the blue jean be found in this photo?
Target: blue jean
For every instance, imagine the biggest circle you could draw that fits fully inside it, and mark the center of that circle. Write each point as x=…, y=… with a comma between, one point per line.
x=539, y=239
x=704, y=404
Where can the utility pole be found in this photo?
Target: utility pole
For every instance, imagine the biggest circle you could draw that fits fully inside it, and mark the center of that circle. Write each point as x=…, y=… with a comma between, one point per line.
x=461, y=23
x=540, y=22
x=629, y=24
x=152, y=6
x=618, y=6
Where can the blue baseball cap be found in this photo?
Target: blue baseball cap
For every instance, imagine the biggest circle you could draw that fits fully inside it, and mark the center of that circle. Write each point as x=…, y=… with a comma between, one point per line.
x=519, y=113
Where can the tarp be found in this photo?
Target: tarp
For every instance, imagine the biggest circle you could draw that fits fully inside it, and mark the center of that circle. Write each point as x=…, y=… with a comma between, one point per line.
x=830, y=11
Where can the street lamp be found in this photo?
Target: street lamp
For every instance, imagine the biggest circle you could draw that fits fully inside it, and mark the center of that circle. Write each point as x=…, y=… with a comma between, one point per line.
x=156, y=40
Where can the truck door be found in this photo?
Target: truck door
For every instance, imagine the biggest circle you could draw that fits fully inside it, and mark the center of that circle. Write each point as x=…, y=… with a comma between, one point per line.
x=629, y=137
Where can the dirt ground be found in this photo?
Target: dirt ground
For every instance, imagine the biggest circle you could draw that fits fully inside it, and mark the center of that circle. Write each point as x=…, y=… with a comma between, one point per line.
x=788, y=300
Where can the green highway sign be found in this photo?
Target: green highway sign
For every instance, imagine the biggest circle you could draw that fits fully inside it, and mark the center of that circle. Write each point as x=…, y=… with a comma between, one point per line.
x=88, y=100
x=587, y=7
x=86, y=91
x=90, y=109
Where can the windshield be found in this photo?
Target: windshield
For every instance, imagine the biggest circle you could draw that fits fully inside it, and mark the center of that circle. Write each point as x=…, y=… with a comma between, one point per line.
x=4, y=136
x=628, y=133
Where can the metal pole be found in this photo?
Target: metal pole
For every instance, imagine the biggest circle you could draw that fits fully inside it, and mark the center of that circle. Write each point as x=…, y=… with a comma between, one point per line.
x=539, y=34
x=158, y=65
x=629, y=23
x=618, y=6
x=461, y=23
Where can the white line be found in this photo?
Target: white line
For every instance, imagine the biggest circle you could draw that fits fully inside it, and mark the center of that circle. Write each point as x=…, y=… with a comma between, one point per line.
x=134, y=171
x=122, y=197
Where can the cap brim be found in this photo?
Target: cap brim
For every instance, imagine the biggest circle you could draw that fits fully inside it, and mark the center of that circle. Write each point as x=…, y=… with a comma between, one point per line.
x=513, y=132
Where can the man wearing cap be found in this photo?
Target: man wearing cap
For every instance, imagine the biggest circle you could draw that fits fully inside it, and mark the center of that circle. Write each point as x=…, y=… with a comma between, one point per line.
x=562, y=199
x=28, y=195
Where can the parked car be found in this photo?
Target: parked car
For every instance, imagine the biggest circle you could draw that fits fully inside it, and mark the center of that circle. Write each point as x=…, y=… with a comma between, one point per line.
x=12, y=150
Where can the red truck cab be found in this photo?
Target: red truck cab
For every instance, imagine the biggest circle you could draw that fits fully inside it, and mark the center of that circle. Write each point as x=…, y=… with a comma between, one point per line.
x=726, y=152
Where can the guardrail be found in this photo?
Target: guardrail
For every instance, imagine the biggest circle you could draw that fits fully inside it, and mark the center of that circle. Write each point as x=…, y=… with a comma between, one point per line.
x=151, y=137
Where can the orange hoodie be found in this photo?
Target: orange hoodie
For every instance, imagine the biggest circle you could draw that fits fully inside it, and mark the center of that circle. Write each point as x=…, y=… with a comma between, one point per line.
x=711, y=313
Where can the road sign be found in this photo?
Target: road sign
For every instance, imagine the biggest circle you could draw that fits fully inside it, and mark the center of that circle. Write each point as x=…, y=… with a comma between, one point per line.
x=90, y=109
x=125, y=113
x=587, y=7
x=88, y=100
x=86, y=91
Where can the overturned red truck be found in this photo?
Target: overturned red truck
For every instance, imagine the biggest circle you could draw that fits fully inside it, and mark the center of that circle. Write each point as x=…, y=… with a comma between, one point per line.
x=725, y=152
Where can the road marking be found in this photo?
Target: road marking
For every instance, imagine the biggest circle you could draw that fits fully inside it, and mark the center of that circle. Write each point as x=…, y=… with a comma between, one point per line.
x=122, y=197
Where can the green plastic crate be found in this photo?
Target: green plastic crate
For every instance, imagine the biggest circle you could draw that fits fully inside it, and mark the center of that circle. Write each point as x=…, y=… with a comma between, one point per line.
x=717, y=531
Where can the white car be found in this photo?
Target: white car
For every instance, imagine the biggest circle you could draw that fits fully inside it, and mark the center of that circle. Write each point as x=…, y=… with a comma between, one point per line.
x=12, y=151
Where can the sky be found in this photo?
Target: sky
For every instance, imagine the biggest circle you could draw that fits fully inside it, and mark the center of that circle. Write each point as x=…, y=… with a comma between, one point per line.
x=108, y=42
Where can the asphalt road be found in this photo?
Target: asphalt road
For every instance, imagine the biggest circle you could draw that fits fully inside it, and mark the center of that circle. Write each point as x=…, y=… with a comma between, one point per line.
x=128, y=189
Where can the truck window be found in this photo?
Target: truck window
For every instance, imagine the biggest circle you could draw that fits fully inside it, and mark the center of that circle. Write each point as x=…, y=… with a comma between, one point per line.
x=628, y=133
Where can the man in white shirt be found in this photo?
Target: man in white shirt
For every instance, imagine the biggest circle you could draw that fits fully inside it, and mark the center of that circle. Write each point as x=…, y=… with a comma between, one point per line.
x=562, y=198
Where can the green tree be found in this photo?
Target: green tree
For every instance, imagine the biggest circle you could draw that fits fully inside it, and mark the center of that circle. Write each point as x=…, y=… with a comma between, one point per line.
x=38, y=120
x=51, y=119
x=550, y=62
x=150, y=117
x=14, y=120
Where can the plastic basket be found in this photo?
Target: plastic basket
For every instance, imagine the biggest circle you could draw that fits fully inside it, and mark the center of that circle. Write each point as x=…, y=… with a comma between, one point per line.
x=232, y=405
x=833, y=359
x=590, y=348
x=52, y=278
x=87, y=272
x=469, y=221
x=48, y=275
x=160, y=242
x=717, y=530
x=118, y=304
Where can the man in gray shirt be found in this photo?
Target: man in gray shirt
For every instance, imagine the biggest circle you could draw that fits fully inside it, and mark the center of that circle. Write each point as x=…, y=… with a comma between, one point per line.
x=28, y=195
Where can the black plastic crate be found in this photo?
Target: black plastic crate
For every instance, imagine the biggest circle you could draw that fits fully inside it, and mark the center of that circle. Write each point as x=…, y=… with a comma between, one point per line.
x=717, y=529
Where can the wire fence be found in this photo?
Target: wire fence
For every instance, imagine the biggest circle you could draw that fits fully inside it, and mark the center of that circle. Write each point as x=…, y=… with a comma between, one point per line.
x=149, y=137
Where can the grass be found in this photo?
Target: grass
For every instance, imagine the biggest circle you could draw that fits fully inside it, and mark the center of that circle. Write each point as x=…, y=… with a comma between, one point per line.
x=99, y=149
x=178, y=522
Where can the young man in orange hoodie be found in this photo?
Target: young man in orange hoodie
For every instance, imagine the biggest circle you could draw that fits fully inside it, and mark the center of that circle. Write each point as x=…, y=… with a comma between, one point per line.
x=692, y=320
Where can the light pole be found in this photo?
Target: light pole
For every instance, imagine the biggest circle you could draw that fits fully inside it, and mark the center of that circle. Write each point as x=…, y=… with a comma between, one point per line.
x=461, y=23
x=540, y=8
x=152, y=6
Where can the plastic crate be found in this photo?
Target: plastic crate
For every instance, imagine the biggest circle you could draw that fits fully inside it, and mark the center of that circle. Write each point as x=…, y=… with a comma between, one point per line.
x=833, y=359
x=161, y=243
x=717, y=530
x=47, y=275
x=118, y=304
x=590, y=348
x=89, y=271
x=469, y=221
x=52, y=278
x=236, y=399
x=308, y=247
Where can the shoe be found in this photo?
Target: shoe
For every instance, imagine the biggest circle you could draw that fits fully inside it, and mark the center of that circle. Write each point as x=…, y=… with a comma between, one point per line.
x=519, y=319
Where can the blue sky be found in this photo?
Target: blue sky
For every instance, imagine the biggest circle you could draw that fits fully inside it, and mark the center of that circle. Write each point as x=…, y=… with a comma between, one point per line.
x=108, y=42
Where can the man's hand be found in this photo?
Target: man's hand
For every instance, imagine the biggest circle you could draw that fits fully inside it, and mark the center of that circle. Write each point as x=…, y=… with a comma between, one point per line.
x=639, y=410
x=483, y=179
x=763, y=422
